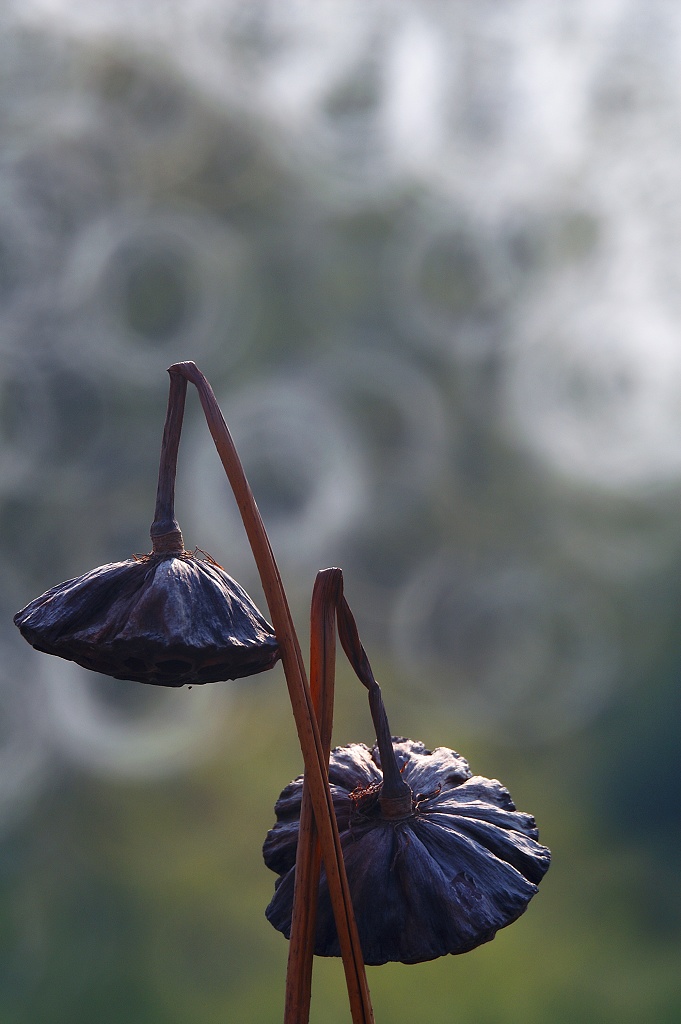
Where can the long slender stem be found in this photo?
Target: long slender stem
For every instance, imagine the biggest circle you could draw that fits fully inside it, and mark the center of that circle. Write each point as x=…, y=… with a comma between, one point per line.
x=327, y=588
x=299, y=693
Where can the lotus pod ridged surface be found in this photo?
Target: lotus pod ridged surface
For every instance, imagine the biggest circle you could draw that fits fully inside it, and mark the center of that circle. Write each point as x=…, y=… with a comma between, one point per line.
x=441, y=880
x=163, y=619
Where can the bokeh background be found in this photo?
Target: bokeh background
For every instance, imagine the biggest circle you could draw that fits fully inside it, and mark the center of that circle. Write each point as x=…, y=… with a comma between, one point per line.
x=429, y=256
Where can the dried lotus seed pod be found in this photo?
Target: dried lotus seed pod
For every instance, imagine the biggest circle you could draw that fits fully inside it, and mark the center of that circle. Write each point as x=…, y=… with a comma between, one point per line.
x=171, y=617
x=444, y=878
x=164, y=619
x=438, y=860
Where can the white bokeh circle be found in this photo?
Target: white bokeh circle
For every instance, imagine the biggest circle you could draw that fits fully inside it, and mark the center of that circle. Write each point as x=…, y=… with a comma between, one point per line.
x=398, y=416
x=171, y=730
x=145, y=286
x=450, y=280
x=306, y=471
x=515, y=650
x=592, y=389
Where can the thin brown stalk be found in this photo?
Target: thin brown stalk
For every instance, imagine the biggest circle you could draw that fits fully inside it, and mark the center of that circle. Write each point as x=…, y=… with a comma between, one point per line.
x=327, y=588
x=395, y=793
x=165, y=531
x=299, y=693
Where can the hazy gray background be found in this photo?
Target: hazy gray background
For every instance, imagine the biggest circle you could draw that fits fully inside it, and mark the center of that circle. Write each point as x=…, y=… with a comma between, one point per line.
x=428, y=255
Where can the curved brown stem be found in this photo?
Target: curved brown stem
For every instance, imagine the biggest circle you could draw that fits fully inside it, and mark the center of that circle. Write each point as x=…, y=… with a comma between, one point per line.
x=299, y=693
x=396, y=796
x=327, y=587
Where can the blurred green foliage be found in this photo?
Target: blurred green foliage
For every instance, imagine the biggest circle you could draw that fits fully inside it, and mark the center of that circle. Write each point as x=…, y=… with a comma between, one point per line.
x=129, y=901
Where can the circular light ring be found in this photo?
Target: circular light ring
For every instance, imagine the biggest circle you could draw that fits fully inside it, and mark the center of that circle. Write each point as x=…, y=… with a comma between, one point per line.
x=523, y=654
x=306, y=471
x=171, y=732
x=451, y=280
x=145, y=287
x=591, y=389
x=398, y=417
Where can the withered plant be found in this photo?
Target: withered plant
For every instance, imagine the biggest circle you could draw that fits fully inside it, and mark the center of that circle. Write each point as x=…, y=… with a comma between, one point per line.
x=387, y=853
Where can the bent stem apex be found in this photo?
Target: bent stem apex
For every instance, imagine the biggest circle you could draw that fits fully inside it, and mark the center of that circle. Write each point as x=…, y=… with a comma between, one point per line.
x=327, y=587
x=396, y=795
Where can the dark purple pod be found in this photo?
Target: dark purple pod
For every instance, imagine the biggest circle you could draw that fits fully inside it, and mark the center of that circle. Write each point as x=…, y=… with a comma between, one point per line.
x=442, y=877
x=168, y=619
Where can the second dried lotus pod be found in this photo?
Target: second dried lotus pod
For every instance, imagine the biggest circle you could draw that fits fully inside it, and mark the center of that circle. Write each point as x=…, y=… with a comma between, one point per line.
x=438, y=859
x=444, y=878
x=170, y=618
